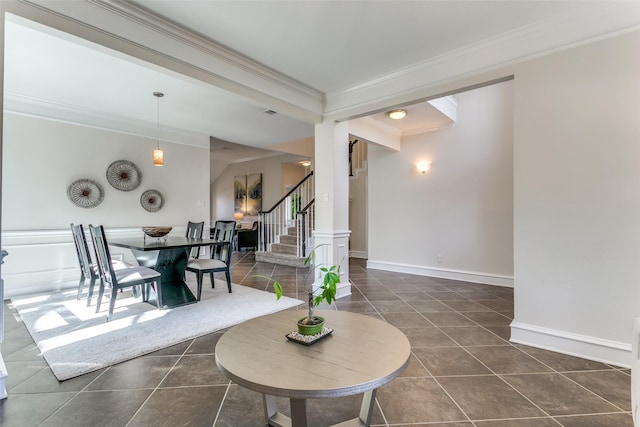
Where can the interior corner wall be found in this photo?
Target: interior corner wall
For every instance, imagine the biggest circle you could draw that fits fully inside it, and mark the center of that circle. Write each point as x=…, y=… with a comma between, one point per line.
x=41, y=158
x=272, y=190
x=456, y=220
x=577, y=200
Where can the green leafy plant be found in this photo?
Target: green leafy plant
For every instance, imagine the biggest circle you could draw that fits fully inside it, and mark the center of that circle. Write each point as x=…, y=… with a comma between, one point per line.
x=325, y=292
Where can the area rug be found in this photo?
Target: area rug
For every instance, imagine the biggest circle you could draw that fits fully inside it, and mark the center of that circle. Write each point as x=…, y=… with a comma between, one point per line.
x=75, y=340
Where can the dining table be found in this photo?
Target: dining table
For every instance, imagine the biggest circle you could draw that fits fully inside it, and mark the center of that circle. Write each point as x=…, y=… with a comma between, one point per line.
x=169, y=256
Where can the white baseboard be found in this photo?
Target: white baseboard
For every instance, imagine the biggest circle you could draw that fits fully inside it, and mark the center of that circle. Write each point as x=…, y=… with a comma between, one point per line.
x=586, y=347
x=358, y=254
x=343, y=290
x=467, y=276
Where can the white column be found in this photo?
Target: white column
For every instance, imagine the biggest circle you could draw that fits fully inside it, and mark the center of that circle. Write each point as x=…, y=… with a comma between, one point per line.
x=332, y=199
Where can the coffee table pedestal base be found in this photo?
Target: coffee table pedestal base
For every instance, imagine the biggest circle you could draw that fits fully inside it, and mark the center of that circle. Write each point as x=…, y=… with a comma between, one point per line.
x=299, y=412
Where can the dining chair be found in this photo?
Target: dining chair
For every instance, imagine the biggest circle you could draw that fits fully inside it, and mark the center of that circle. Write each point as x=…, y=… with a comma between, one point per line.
x=88, y=269
x=127, y=277
x=194, y=231
x=220, y=260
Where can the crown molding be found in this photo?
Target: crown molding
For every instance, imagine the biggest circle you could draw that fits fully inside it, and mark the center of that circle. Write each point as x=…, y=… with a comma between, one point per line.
x=142, y=17
x=159, y=42
x=66, y=113
x=418, y=81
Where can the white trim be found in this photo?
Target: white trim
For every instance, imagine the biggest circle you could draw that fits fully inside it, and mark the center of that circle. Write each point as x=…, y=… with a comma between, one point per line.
x=153, y=40
x=543, y=38
x=343, y=289
x=426, y=129
x=467, y=276
x=336, y=234
x=64, y=113
x=358, y=254
x=583, y=346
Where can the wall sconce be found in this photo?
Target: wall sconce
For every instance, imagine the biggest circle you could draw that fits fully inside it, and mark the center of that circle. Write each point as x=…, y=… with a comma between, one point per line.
x=423, y=166
x=158, y=155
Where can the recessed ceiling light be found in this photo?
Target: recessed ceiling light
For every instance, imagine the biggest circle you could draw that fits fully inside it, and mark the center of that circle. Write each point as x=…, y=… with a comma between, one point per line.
x=397, y=114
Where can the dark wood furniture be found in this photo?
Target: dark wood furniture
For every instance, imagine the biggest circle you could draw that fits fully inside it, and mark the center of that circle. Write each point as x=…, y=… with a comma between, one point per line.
x=247, y=237
x=168, y=256
x=220, y=257
x=127, y=277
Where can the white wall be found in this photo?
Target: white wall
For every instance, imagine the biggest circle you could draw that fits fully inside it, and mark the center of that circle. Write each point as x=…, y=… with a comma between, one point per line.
x=358, y=215
x=456, y=220
x=577, y=199
x=41, y=158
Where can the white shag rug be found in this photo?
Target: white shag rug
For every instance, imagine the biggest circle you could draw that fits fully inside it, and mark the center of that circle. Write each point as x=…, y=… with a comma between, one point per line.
x=75, y=340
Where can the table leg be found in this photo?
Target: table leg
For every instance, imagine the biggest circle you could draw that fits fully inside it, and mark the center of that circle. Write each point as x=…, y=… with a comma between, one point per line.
x=366, y=412
x=298, y=412
x=272, y=416
x=171, y=264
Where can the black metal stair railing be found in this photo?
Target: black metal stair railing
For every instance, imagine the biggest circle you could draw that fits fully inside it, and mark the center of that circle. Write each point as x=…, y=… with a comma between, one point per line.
x=275, y=222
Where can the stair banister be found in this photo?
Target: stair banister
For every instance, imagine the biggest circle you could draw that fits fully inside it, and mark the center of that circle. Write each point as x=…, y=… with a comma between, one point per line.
x=305, y=224
x=273, y=222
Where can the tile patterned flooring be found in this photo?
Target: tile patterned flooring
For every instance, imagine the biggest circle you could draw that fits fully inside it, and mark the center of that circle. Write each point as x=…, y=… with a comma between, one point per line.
x=463, y=371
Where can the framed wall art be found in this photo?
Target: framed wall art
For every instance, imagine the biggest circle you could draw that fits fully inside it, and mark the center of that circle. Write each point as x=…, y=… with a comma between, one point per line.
x=247, y=194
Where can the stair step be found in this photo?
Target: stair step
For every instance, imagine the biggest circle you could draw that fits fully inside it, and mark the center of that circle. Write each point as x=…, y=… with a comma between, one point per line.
x=288, y=240
x=280, y=259
x=292, y=231
x=284, y=248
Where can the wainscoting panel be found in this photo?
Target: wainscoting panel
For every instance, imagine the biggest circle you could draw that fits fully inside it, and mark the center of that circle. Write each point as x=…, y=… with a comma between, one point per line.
x=46, y=260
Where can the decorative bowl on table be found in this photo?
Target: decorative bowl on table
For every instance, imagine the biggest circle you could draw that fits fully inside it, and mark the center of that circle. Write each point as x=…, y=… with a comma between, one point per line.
x=156, y=231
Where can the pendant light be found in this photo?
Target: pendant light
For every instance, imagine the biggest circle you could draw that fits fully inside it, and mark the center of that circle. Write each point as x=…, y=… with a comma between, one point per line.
x=158, y=155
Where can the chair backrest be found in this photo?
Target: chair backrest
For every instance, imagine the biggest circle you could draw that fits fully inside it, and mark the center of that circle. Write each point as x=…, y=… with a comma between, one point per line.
x=103, y=256
x=194, y=231
x=82, y=250
x=254, y=226
x=224, y=231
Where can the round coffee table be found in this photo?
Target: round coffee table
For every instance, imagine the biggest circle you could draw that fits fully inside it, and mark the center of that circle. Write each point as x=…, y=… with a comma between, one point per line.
x=360, y=355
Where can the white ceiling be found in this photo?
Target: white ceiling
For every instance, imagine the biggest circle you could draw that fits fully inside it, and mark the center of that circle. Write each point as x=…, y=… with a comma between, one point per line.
x=328, y=46
x=334, y=45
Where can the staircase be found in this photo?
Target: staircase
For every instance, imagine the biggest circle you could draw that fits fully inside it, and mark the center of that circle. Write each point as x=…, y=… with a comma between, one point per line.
x=285, y=233
x=285, y=251
x=288, y=242
x=285, y=230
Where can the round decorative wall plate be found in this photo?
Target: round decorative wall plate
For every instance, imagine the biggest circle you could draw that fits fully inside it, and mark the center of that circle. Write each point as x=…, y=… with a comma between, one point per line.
x=124, y=175
x=151, y=200
x=85, y=193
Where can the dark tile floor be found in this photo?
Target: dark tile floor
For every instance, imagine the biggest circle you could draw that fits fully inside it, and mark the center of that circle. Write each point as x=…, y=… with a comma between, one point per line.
x=463, y=370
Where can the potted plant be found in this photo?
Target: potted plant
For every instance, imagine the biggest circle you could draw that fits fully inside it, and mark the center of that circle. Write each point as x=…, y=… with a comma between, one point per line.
x=312, y=324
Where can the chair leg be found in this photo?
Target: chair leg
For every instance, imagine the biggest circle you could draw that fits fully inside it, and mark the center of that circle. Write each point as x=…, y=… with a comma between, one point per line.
x=100, y=293
x=228, y=274
x=91, y=286
x=80, y=285
x=213, y=282
x=158, y=288
x=200, y=275
x=112, y=303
